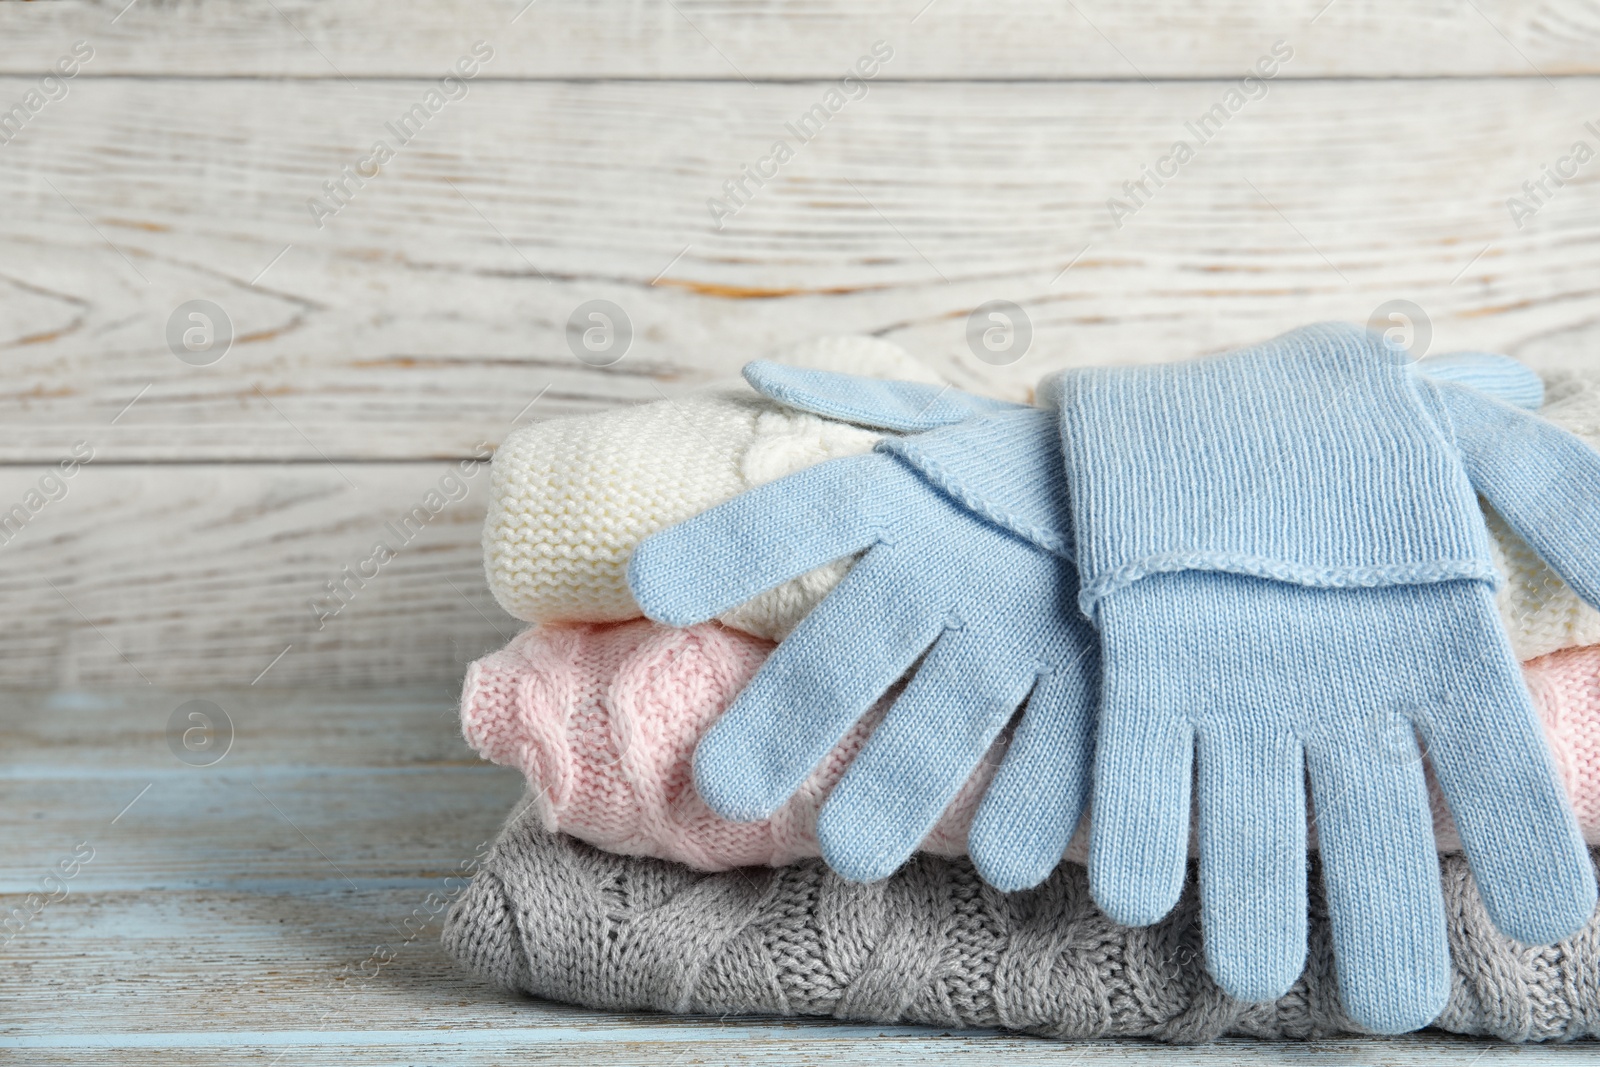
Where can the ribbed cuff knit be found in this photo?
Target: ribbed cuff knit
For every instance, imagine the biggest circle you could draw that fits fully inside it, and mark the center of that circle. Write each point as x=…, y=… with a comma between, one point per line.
x=1311, y=459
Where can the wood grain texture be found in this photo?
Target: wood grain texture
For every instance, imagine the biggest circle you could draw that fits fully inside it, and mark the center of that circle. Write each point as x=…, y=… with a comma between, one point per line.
x=232, y=914
x=426, y=315
x=203, y=574
x=224, y=904
x=757, y=39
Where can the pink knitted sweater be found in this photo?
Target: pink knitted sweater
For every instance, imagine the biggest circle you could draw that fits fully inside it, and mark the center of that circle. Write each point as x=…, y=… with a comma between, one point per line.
x=603, y=720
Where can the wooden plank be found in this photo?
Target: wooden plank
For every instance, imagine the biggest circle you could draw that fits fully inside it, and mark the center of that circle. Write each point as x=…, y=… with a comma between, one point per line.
x=425, y=316
x=217, y=574
x=210, y=925
x=768, y=1046
x=817, y=39
x=66, y=734
x=309, y=831
x=315, y=792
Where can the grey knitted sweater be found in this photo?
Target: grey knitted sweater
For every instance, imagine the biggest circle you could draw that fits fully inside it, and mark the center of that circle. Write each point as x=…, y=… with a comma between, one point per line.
x=555, y=918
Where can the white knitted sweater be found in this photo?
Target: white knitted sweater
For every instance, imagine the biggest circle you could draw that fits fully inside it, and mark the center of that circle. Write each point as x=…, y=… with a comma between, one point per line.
x=1541, y=612
x=572, y=497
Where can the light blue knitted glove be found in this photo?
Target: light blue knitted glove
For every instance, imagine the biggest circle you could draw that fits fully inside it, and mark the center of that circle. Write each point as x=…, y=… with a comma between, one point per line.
x=967, y=568
x=906, y=406
x=1011, y=841
x=1283, y=552
x=1494, y=375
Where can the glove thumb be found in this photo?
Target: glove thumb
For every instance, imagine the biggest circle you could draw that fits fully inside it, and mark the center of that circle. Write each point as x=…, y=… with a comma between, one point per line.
x=1499, y=376
x=906, y=407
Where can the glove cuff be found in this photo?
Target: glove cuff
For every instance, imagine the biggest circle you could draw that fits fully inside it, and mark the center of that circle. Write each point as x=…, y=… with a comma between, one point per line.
x=1005, y=468
x=1313, y=459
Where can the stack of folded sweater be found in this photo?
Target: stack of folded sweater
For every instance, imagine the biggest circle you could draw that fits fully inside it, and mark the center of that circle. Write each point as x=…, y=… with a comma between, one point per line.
x=615, y=885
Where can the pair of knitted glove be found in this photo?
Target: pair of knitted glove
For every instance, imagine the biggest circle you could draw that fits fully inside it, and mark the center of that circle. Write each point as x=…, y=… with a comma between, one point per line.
x=603, y=720
x=1284, y=564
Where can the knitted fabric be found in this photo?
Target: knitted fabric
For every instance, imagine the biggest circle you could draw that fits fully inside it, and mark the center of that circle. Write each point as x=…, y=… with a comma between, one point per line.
x=551, y=917
x=987, y=613
x=984, y=607
x=1566, y=689
x=1501, y=377
x=1283, y=552
x=1275, y=462
x=1540, y=611
x=603, y=721
x=570, y=498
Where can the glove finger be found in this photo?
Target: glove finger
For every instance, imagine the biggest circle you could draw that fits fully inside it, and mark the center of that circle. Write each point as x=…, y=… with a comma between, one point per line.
x=1251, y=799
x=1380, y=873
x=1139, y=819
x=917, y=759
x=1032, y=808
x=1517, y=827
x=891, y=405
x=1501, y=377
x=1544, y=481
x=721, y=558
x=811, y=690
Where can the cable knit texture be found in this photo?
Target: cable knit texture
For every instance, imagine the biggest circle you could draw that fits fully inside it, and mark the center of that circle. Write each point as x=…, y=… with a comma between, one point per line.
x=781, y=616
x=570, y=498
x=1566, y=688
x=603, y=721
x=551, y=917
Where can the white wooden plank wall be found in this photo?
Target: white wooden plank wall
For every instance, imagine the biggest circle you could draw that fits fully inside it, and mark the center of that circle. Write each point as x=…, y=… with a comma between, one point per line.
x=374, y=353
x=762, y=39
